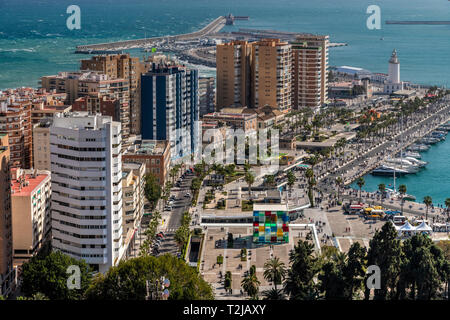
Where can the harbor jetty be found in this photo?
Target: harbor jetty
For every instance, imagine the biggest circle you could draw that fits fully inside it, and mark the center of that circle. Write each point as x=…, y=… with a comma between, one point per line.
x=215, y=26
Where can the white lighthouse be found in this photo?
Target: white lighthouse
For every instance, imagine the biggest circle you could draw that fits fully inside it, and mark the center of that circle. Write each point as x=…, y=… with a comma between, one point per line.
x=393, y=84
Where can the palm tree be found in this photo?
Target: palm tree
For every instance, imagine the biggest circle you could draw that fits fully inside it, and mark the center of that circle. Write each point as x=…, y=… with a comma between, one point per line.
x=274, y=271
x=339, y=183
x=360, y=182
x=291, y=179
x=402, y=191
x=274, y=294
x=428, y=202
x=250, y=179
x=270, y=179
x=382, y=188
x=250, y=284
x=447, y=204
x=309, y=173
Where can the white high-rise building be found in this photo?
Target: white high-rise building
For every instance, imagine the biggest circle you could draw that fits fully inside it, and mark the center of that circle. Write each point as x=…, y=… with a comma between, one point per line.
x=87, y=188
x=393, y=84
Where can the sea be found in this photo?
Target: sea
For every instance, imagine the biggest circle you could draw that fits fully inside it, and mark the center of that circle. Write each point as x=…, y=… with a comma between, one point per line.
x=35, y=41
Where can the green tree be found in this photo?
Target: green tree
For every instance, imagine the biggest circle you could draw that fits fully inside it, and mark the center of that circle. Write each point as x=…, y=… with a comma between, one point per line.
x=274, y=271
x=152, y=189
x=354, y=270
x=249, y=179
x=360, y=182
x=339, y=184
x=228, y=281
x=127, y=281
x=447, y=204
x=382, y=189
x=299, y=284
x=291, y=179
x=47, y=275
x=402, y=191
x=425, y=269
x=250, y=284
x=428, y=202
x=274, y=294
x=385, y=252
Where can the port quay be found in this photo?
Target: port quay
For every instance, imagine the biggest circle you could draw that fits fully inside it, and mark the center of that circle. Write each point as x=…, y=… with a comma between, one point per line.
x=370, y=159
x=210, y=30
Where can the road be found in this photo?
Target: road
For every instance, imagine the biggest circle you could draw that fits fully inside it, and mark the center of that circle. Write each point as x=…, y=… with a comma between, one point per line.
x=181, y=205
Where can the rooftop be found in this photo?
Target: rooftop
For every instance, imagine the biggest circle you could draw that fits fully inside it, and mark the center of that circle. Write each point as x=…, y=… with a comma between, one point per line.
x=27, y=183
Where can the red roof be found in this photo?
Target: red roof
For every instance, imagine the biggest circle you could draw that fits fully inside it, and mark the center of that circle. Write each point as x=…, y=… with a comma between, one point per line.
x=32, y=184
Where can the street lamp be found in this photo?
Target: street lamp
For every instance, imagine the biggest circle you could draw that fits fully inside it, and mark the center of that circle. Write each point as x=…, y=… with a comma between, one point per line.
x=159, y=289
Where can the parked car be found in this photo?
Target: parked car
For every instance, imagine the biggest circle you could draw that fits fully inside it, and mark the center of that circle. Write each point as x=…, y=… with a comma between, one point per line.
x=187, y=195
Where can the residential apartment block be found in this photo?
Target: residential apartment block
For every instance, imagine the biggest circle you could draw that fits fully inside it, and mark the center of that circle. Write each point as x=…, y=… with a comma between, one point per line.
x=122, y=66
x=170, y=108
x=41, y=144
x=206, y=95
x=155, y=154
x=233, y=61
x=7, y=273
x=271, y=74
x=30, y=207
x=133, y=196
x=87, y=188
x=15, y=120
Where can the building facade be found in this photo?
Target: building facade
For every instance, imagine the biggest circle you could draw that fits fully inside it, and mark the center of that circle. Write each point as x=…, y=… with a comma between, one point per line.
x=87, y=188
x=133, y=196
x=122, y=66
x=206, y=95
x=170, y=108
x=271, y=74
x=15, y=120
x=41, y=144
x=306, y=76
x=30, y=207
x=6, y=251
x=233, y=65
x=155, y=154
x=322, y=42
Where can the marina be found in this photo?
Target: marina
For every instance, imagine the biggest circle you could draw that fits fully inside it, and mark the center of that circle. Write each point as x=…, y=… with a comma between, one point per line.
x=429, y=180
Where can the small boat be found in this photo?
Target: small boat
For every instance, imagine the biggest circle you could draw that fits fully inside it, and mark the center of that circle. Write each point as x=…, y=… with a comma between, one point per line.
x=412, y=154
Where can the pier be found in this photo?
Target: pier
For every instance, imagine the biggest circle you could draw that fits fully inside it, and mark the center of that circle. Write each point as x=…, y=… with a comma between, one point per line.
x=213, y=27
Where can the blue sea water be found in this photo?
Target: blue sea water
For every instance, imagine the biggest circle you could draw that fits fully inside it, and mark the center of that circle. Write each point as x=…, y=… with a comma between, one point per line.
x=34, y=41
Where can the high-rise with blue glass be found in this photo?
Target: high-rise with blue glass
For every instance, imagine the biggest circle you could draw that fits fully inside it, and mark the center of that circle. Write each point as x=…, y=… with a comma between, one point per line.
x=170, y=108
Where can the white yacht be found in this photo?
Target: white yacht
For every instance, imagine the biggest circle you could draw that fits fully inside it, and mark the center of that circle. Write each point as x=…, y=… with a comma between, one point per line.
x=412, y=154
x=416, y=162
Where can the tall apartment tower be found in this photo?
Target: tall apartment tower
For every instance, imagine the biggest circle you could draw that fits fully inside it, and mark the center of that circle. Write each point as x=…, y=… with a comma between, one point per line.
x=321, y=41
x=306, y=76
x=122, y=66
x=206, y=95
x=271, y=74
x=170, y=109
x=87, y=188
x=6, y=256
x=15, y=120
x=233, y=63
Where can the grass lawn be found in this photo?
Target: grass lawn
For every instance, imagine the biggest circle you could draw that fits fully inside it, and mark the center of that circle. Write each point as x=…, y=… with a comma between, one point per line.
x=247, y=205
